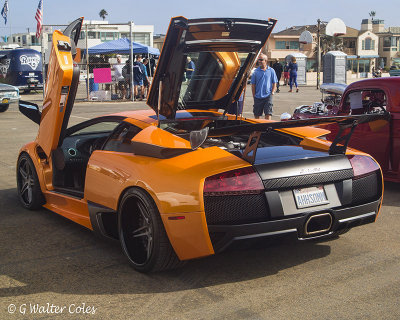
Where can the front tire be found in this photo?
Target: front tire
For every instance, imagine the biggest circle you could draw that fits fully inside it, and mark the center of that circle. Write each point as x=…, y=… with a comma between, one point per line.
x=4, y=107
x=142, y=234
x=28, y=186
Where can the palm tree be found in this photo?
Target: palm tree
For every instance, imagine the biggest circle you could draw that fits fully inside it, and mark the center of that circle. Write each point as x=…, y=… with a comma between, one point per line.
x=329, y=43
x=372, y=14
x=103, y=13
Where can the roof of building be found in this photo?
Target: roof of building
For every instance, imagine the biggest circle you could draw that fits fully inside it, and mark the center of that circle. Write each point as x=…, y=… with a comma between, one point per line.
x=297, y=30
x=393, y=29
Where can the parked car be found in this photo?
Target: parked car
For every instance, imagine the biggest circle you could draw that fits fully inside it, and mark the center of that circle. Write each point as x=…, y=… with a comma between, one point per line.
x=380, y=139
x=184, y=179
x=21, y=68
x=394, y=71
x=331, y=96
x=8, y=94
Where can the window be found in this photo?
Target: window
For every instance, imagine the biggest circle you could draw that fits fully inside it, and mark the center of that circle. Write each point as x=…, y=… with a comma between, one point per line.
x=143, y=38
x=93, y=35
x=365, y=102
x=386, y=42
x=121, y=139
x=368, y=44
x=213, y=75
x=104, y=126
x=282, y=45
x=311, y=65
x=82, y=35
x=106, y=36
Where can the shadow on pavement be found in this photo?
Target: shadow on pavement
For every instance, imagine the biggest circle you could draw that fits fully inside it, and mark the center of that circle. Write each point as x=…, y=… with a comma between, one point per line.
x=44, y=252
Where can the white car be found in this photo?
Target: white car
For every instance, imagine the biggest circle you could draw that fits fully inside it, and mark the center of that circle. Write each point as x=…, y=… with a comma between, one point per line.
x=8, y=94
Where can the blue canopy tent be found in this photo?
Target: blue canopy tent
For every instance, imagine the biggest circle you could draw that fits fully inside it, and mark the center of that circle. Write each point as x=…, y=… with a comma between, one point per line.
x=122, y=46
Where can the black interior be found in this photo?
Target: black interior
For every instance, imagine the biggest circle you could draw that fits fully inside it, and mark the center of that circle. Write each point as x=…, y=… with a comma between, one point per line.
x=70, y=159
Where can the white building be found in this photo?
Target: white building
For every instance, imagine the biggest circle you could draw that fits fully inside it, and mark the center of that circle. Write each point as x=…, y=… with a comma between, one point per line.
x=96, y=31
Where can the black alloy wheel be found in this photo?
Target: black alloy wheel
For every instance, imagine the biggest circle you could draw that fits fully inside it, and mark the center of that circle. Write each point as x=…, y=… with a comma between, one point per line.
x=28, y=186
x=142, y=234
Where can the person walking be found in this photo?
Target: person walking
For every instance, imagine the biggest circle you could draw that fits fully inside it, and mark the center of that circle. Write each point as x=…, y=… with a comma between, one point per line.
x=286, y=74
x=293, y=74
x=278, y=70
x=263, y=86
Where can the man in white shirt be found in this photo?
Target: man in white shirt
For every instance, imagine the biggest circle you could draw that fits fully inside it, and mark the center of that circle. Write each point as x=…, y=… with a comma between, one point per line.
x=118, y=77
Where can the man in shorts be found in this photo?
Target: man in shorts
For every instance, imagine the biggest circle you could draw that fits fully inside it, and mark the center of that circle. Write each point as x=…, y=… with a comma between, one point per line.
x=119, y=79
x=138, y=76
x=263, y=85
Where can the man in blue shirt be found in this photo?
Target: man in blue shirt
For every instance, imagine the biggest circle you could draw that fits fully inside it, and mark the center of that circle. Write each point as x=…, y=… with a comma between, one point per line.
x=263, y=85
x=189, y=68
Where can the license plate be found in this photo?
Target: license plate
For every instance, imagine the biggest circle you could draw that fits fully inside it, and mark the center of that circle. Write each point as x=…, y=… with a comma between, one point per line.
x=310, y=197
x=5, y=100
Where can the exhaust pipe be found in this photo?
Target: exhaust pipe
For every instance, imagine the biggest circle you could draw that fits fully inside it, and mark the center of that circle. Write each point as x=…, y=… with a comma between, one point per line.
x=318, y=223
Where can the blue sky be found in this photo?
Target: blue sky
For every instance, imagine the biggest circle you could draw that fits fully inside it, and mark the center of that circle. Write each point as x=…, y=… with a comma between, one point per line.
x=159, y=12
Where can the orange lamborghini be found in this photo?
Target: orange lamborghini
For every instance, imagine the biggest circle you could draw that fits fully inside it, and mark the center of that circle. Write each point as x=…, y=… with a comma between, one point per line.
x=185, y=179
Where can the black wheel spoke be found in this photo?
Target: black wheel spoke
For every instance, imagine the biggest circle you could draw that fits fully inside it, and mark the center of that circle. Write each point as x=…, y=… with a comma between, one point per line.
x=143, y=212
x=149, y=243
x=23, y=173
x=137, y=233
x=24, y=187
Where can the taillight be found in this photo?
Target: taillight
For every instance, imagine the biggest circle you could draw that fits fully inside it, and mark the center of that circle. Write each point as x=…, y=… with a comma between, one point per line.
x=240, y=181
x=362, y=165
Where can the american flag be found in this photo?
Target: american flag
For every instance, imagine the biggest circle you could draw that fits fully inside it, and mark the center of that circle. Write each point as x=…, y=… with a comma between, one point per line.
x=39, y=19
x=4, y=11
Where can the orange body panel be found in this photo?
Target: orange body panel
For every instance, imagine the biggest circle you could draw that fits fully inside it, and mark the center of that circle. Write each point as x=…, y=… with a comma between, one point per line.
x=69, y=207
x=231, y=63
x=183, y=174
x=59, y=75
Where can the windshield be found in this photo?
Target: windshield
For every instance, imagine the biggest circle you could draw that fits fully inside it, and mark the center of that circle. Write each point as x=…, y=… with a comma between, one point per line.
x=208, y=76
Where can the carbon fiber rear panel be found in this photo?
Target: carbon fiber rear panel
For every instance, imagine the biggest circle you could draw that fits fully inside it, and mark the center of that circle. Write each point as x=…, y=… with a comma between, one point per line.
x=237, y=209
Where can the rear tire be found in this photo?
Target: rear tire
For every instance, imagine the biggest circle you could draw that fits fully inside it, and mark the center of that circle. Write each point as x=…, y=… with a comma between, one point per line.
x=28, y=186
x=4, y=107
x=142, y=234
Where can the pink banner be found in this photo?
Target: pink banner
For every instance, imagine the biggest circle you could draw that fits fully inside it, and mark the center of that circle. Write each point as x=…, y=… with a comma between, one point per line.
x=102, y=75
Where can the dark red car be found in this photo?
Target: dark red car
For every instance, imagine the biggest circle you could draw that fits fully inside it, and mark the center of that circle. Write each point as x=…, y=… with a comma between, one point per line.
x=381, y=138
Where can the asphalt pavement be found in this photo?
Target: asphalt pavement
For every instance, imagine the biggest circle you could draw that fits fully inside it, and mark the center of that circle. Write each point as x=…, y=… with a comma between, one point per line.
x=51, y=268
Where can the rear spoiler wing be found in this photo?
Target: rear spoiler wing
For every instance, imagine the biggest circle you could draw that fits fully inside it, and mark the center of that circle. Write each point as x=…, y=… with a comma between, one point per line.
x=255, y=130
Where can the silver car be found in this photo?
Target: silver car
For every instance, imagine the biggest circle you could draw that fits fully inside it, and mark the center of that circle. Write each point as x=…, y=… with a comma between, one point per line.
x=8, y=94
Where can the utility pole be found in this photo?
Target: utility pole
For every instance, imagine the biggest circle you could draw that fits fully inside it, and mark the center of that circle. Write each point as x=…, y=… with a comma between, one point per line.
x=318, y=53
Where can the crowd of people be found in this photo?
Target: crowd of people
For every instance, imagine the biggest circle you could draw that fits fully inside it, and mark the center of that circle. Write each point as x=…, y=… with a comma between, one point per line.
x=143, y=70
x=264, y=81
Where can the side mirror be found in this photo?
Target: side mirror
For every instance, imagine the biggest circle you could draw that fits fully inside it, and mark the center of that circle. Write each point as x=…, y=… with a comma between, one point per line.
x=30, y=110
